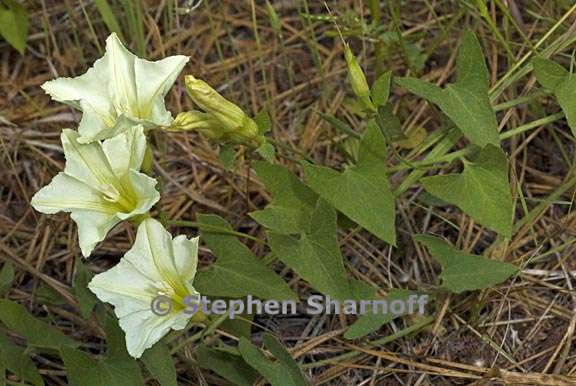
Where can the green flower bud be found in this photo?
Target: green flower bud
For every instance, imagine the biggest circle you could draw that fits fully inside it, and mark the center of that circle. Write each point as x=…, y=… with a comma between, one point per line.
x=358, y=80
x=221, y=119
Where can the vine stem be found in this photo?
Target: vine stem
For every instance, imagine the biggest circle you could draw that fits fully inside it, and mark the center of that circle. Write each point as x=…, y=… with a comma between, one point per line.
x=213, y=229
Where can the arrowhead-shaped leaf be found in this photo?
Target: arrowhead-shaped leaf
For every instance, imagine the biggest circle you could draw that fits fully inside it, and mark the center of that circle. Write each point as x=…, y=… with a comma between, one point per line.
x=36, y=332
x=481, y=190
x=302, y=231
x=465, y=102
x=562, y=83
x=14, y=358
x=159, y=363
x=293, y=201
x=361, y=192
x=117, y=369
x=314, y=253
x=236, y=272
x=283, y=372
x=465, y=272
x=14, y=24
x=227, y=365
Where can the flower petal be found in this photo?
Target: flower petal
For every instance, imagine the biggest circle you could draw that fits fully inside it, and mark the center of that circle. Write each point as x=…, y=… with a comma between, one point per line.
x=153, y=81
x=186, y=256
x=91, y=87
x=125, y=151
x=143, y=329
x=88, y=163
x=144, y=188
x=121, y=76
x=153, y=252
x=65, y=193
x=92, y=228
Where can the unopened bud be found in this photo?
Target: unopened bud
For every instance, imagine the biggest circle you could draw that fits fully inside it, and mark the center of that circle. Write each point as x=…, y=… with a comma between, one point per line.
x=227, y=120
x=358, y=80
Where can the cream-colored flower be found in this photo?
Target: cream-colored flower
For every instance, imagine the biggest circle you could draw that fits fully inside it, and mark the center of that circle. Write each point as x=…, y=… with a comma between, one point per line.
x=119, y=91
x=156, y=265
x=101, y=184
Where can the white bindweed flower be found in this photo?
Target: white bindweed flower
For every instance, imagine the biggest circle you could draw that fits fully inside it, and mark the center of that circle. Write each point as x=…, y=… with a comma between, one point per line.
x=101, y=184
x=119, y=91
x=156, y=265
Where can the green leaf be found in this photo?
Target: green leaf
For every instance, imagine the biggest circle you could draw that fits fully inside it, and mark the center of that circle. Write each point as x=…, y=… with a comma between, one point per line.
x=381, y=89
x=86, y=299
x=14, y=24
x=158, y=361
x=117, y=369
x=108, y=17
x=370, y=322
x=36, y=332
x=6, y=278
x=465, y=272
x=293, y=201
x=229, y=366
x=562, y=83
x=263, y=121
x=15, y=360
x=267, y=151
x=314, y=253
x=236, y=272
x=465, y=102
x=361, y=192
x=283, y=372
x=227, y=155
x=338, y=124
x=481, y=190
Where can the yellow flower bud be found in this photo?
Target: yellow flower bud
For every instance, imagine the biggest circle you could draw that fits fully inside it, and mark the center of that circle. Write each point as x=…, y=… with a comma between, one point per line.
x=358, y=80
x=222, y=119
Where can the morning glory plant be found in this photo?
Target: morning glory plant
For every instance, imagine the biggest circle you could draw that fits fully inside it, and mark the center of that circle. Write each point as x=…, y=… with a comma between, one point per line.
x=156, y=265
x=101, y=184
x=122, y=97
x=118, y=92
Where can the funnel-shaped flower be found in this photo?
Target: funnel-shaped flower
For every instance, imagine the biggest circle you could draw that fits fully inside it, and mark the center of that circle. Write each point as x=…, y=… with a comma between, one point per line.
x=119, y=91
x=101, y=184
x=221, y=120
x=156, y=266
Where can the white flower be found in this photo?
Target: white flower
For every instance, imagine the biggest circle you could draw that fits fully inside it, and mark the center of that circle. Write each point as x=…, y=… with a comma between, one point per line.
x=156, y=265
x=101, y=185
x=119, y=91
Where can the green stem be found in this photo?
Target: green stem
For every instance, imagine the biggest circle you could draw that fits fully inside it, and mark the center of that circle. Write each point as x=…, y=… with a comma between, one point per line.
x=213, y=229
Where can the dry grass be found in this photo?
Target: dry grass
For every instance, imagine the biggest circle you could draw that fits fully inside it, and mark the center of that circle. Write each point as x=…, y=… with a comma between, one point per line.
x=518, y=333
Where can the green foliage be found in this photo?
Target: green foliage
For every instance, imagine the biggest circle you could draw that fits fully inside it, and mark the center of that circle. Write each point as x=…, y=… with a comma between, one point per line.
x=465, y=272
x=380, y=91
x=465, y=102
x=86, y=299
x=267, y=151
x=562, y=83
x=36, y=332
x=289, y=213
x=6, y=278
x=370, y=322
x=237, y=272
x=283, y=372
x=14, y=359
x=14, y=24
x=108, y=17
x=227, y=155
x=227, y=365
x=314, y=252
x=361, y=192
x=481, y=190
x=117, y=369
x=263, y=122
x=158, y=361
